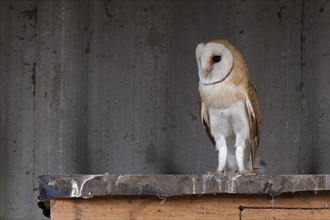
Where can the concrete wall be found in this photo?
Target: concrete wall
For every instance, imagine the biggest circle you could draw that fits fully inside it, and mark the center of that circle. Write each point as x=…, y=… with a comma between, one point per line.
x=111, y=86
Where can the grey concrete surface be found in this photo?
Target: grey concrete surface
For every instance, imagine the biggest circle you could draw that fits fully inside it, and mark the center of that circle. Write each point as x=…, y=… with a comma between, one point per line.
x=88, y=186
x=111, y=86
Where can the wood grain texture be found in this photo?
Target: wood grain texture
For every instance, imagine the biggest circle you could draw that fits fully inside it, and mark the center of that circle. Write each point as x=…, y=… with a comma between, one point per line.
x=281, y=214
x=141, y=208
x=193, y=207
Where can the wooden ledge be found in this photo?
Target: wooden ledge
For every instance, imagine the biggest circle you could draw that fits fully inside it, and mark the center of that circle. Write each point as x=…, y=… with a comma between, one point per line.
x=184, y=196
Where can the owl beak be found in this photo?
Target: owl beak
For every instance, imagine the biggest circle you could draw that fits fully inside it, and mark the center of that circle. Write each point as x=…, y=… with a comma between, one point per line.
x=207, y=72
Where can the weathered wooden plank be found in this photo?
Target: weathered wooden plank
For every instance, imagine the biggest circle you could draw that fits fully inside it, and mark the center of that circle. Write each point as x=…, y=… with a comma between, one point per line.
x=185, y=207
x=140, y=208
x=304, y=200
x=279, y=214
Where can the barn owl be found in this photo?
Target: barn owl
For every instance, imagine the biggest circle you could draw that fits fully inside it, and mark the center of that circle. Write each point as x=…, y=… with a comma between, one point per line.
x=229, y=106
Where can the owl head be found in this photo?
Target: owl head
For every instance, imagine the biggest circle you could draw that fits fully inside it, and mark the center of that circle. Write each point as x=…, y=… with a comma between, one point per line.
x=214, y=60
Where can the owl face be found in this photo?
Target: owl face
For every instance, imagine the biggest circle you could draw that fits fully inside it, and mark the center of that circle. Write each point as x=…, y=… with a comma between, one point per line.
x=214, y=61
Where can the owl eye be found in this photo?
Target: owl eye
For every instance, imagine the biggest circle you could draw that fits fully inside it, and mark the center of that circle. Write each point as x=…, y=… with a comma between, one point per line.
x=216, y=59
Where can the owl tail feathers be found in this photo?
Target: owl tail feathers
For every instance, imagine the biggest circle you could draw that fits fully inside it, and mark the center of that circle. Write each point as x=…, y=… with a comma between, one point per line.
x=259, y=166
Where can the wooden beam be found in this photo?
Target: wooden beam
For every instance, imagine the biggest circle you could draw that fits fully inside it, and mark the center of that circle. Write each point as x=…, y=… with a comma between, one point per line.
x=221, y=206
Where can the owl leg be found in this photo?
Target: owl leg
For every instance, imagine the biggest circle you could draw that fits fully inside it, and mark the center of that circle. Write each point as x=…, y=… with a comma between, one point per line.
x=222, y=153
x=240, y=148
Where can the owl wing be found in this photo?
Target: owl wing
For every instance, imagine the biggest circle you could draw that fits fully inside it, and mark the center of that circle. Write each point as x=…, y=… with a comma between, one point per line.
x=205, y=120
x=253, y=110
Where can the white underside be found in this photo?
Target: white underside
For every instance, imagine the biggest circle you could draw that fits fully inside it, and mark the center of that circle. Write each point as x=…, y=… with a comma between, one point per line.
x=230, y=129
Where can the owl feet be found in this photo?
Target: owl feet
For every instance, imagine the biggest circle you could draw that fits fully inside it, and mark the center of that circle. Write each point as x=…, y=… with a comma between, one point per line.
x=214, y=173
x=245, y=173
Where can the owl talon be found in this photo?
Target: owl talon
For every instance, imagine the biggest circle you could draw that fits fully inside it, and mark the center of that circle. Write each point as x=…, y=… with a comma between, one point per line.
x=238, y=173
x=214, y=173
x=245, y=173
